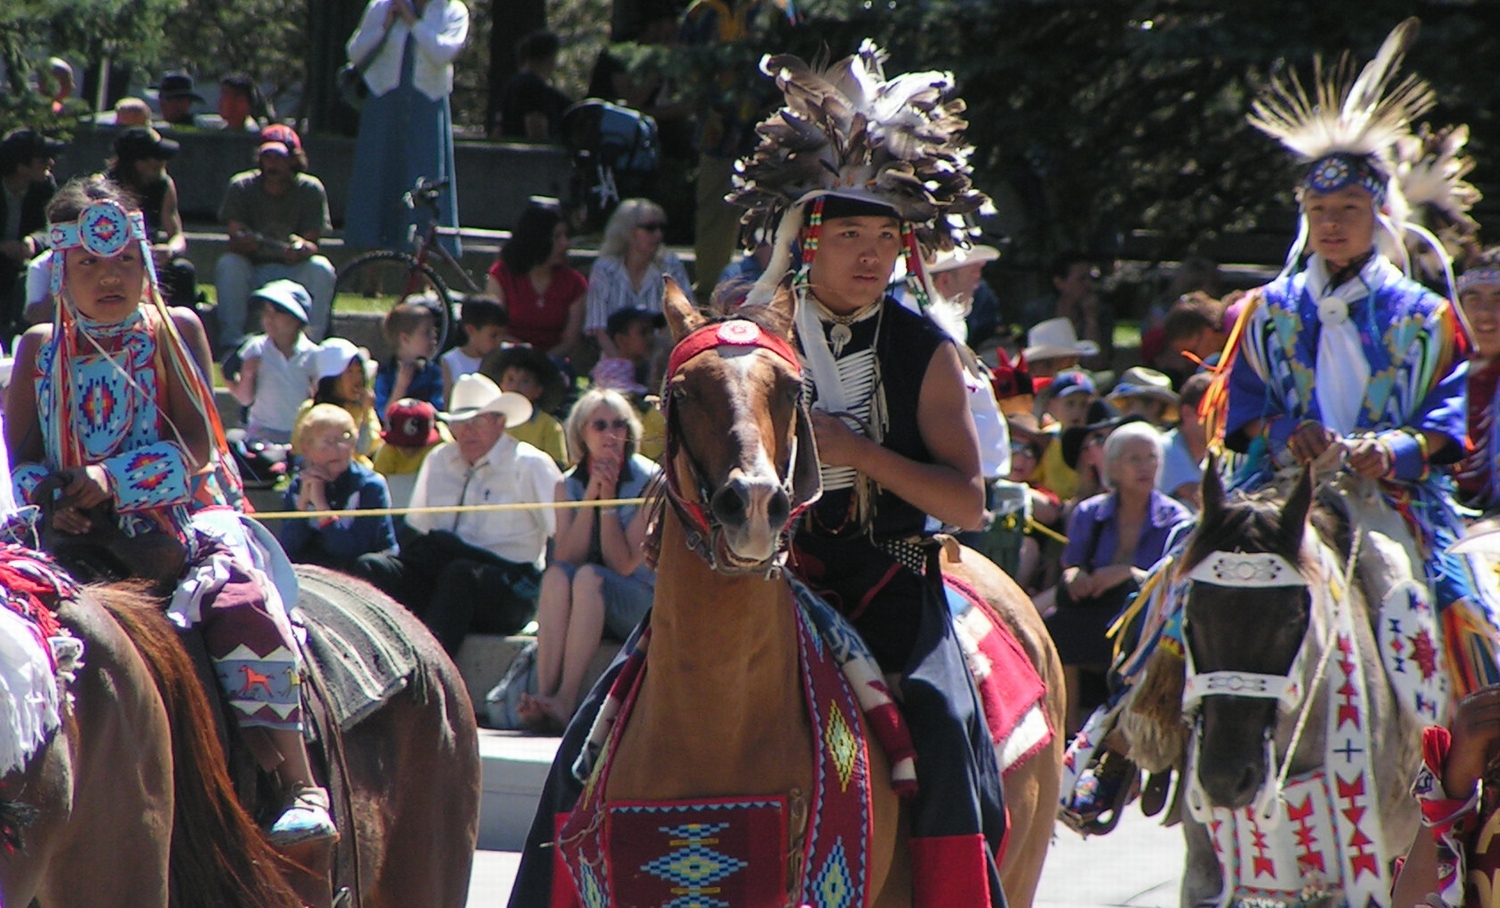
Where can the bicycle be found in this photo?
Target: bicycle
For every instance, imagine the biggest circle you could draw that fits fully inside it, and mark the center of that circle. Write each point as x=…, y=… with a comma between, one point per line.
x=391, y=277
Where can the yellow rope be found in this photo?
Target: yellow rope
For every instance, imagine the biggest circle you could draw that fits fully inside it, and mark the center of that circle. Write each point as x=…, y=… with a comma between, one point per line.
x=448, y=509
x=1033, y=527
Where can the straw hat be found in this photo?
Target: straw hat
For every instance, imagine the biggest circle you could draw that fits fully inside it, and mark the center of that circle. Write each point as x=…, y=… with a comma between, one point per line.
x=1056, y=337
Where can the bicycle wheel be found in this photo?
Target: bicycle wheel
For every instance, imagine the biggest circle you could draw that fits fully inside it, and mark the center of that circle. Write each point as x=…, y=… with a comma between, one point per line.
x=377, y=281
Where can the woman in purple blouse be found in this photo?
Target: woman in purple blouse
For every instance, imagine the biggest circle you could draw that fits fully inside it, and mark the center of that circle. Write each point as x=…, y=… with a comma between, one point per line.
x=1113, y=538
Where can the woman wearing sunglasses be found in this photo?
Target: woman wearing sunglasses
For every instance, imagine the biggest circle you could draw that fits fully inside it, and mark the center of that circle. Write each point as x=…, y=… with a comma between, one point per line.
x=598, y=582
x=628, y=272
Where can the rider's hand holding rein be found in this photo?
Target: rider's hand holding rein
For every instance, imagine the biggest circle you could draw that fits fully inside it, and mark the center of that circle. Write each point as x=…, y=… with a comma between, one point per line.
x=1476, y=738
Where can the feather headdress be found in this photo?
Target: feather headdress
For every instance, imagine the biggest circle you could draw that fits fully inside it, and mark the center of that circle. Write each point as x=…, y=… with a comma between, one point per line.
x=847, y=131
x=1431, y=167
x=1348, y=129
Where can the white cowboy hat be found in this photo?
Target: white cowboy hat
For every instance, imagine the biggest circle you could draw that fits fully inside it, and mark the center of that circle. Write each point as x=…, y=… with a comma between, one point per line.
x=956, y=257
x=1139, y=381
x=1056, y=337
x=474, y=394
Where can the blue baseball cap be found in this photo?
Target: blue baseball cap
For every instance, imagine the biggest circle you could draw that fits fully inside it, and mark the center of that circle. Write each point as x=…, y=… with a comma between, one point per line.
x=1071, y=382
x=289, y=296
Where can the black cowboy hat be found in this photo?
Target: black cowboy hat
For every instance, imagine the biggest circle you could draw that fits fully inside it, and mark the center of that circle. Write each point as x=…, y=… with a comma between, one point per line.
x=554, y=387
x=1101, y=417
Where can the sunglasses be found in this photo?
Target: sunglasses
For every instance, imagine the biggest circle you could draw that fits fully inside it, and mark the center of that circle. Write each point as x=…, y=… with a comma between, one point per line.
x=653, y=226
x=606, y=425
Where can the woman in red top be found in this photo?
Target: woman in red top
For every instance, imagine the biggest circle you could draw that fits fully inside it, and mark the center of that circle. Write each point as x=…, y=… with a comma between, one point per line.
x=531, y=279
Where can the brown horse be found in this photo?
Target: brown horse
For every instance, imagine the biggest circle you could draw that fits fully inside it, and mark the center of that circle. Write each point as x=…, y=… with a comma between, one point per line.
x=720, y=712
x=137, y=767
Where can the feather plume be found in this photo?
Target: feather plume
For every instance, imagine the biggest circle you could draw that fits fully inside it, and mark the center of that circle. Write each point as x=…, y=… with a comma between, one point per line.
x=1364, y=116
x=846, y=130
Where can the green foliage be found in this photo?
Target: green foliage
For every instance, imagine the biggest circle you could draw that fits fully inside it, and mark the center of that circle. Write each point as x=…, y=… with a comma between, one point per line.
x=266, y=39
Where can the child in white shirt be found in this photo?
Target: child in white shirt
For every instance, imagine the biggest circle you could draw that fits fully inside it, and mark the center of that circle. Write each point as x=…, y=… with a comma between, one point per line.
x=278, y=367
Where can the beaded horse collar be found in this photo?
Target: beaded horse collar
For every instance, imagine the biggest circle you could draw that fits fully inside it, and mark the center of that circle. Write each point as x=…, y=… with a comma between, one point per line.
x=704, y=532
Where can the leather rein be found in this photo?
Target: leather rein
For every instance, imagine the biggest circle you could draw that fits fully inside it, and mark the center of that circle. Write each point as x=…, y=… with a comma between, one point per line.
x=705, y=533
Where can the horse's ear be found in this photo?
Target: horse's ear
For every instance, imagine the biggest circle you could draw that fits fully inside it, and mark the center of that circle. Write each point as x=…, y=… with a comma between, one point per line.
x=780, y=313
x=682, y=318
x=1294, y=512
x=1212, y=491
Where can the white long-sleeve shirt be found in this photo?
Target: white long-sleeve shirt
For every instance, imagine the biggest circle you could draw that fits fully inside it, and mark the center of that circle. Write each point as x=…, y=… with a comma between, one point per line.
x=440, y=33
x=511, y=472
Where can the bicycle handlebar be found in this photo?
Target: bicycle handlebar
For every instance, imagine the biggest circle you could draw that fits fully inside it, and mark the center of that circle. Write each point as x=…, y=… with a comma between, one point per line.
x=426, y=190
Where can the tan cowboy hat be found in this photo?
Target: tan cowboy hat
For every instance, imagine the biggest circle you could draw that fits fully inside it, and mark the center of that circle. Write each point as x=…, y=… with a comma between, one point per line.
x=1139, y=381
x=1056, y=337
x=474, y=394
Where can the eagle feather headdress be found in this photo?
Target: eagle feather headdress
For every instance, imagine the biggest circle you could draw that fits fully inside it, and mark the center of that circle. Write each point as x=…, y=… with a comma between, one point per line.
x=1358, y=131
x=845, y=130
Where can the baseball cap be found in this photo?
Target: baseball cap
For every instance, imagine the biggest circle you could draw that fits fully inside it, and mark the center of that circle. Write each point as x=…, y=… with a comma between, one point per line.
x=141, y=143
x=22, y=145
x=334, y=355
x=288, y=296
x=273, y=148
x=413, y=424
x=280, y=132
x=1071, y=382
x=617, y=374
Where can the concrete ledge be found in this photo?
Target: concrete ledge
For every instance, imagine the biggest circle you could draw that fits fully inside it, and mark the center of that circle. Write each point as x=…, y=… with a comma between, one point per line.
x=484, y=658
x=515, y=767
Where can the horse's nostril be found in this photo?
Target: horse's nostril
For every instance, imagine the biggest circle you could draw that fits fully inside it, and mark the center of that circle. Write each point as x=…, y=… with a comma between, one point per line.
x=778, y=509
x=728, y=505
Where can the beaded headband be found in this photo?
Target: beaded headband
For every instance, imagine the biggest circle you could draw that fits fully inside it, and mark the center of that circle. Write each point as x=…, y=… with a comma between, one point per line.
x=1340, y=171
x=104, y=228
x=1476, y=276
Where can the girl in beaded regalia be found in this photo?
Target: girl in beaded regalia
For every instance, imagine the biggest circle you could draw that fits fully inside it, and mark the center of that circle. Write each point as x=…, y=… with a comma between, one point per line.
x=109, y=403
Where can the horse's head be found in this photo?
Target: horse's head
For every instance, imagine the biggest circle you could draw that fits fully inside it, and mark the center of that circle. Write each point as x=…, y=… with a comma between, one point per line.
x=741, y=458
x=1246, y=615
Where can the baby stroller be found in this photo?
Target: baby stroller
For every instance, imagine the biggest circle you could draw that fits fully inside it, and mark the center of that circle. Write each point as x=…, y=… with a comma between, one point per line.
x=615, y=155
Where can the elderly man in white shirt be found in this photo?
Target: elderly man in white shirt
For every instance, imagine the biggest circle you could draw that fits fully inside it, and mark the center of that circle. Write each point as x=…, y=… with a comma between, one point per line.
x=474, y=571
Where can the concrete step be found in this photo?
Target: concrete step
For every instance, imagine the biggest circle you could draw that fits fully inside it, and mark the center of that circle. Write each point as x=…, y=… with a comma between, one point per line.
x=514, y=769
x=484, y=658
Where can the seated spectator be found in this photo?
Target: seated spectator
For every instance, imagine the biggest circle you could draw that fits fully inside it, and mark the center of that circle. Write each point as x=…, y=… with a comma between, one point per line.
x=1146, y=393
x=1113, y=538
x=598, y=581
x=1193, y=333
x=26, y=186
x=543, y=296
x=130, y=112
x=241, y=105
x=344, y=377
x=529, y=372
x=414, y=431
x=1054, y=346
x=1027, y=442
x=739, y=275
x=634, y=335
x=1082, y=450
x=530, y=107
x=1186, y=447
x=275, y=216
x=483, y=322
x=958, y=277
x=412, y=331
x=1195, y=276
x=474, y=571
x=175, y=98
x=611, y=374
x=277, y=368
x=330, y=479
x=140, y=168
x=628, y=272
x=1065, y=405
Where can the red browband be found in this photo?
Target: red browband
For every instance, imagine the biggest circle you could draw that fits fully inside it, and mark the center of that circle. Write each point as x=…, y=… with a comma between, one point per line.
x=734, y=333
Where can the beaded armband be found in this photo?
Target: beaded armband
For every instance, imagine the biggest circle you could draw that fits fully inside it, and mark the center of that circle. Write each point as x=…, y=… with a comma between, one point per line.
x=1451, y=820
x=154, y=476
x=24, y=479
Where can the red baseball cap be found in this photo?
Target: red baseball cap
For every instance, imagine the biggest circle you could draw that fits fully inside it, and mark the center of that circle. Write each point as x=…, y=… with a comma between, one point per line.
x=413, y=424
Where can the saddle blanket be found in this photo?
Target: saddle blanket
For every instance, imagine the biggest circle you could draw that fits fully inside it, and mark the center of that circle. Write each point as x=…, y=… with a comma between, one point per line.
x=1010, y=690
x=34, y=652
x=363, y=656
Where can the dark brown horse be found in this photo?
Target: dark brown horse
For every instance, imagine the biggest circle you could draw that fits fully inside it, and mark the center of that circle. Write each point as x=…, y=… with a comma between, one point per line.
x=131, y=804
x=720, y=711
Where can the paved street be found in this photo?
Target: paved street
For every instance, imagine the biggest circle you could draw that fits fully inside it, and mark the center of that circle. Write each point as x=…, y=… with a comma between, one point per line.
x=1139, y=865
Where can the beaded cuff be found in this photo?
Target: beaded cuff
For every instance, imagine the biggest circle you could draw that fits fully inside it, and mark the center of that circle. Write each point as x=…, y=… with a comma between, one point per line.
x=154, y=476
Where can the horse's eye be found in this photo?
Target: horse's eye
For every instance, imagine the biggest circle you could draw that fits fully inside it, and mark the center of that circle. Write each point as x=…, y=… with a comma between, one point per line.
x=679, y=391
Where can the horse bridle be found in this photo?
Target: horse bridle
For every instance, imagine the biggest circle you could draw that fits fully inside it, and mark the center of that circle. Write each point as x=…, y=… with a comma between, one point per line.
x=1254, y=570
x=705, y=532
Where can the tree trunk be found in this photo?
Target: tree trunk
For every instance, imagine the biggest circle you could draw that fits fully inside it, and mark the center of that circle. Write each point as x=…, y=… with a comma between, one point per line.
x=511, y=20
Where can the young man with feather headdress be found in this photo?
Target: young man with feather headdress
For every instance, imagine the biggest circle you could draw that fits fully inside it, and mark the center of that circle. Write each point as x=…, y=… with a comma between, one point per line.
x=852, y=174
